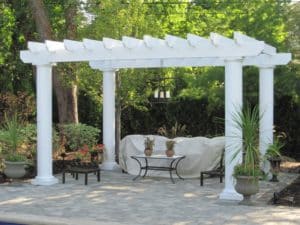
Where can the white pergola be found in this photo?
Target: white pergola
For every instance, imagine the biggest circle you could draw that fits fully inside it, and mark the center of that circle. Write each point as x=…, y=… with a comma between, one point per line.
x=110, y=55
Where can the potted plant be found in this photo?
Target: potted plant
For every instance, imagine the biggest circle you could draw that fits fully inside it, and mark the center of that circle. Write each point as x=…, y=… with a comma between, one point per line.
x=149, y=143
x=170, y=148
x=11, y=139
x=273, y=155
x=247, y=173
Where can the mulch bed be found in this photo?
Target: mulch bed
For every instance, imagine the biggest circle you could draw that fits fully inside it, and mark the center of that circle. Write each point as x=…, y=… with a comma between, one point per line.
x=290, y=195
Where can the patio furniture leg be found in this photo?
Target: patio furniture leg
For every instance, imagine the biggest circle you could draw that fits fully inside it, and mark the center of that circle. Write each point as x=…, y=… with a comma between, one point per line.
x=176, y=164
x=201, y=179
x=86, y=178
x=140, y=168
x=98, y=175
x=146, y=167
x=170, y=170
x=221, y=178
x=76, y=176
x=63, y=177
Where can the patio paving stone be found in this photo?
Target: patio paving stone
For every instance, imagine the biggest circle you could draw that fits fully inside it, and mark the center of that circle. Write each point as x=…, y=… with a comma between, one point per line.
x=119, y=200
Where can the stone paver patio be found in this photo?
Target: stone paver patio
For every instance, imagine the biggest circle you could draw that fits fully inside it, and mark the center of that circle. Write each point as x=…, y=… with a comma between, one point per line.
x=119, y=200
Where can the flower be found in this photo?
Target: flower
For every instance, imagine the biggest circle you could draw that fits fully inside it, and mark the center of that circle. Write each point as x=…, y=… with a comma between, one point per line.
x=99, y=148
x=87, y=153
x=82, y=154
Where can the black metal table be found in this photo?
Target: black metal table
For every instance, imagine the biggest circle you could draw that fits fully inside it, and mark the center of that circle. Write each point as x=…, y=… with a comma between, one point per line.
x=171, y=164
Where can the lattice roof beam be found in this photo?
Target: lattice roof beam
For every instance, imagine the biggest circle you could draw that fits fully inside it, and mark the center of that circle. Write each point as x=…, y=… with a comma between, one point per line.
x=148, y=48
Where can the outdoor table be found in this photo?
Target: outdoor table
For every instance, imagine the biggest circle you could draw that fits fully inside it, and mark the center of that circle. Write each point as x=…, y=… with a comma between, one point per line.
x=171, y=164
x=84, y=168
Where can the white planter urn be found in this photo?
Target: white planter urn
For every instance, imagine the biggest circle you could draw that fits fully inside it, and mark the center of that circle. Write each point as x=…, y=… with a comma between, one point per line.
x=15, y=170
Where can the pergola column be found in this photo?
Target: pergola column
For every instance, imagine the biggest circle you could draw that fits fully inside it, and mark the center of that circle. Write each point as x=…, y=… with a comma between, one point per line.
x=109, y=88
x=266, y=109
x=44, y=126
x=233, y=135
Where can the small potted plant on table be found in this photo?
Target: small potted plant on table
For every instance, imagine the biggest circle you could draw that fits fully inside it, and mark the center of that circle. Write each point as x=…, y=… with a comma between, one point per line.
x=149, y=143
x=170, y=148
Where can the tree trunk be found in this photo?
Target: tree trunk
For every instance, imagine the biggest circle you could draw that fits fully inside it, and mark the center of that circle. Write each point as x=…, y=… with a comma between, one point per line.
x=66, y=96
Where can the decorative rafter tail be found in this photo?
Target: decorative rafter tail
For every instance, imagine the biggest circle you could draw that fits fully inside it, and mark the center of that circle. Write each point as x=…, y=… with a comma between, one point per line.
x=54, y=46
x=93, y=44
x=110, y=43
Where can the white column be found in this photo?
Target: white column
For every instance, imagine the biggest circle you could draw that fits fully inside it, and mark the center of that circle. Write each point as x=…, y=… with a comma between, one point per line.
x=266, y=109
x=109, y=87
x=44, y=126
x=233, y=135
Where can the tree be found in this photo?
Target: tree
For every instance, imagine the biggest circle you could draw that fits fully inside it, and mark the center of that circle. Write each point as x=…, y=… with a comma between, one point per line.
x=66, y=94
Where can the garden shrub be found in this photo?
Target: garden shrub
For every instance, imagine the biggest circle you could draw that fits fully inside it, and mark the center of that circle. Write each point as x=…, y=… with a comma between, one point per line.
x=78, y=135
x=29, y=131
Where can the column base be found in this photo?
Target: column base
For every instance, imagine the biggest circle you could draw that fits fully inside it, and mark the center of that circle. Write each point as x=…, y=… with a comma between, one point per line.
x=44, y=181
x=229, y=194
x=113, y=166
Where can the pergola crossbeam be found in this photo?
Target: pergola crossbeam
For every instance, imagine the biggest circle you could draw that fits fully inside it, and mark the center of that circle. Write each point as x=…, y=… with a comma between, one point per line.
x=262, y=60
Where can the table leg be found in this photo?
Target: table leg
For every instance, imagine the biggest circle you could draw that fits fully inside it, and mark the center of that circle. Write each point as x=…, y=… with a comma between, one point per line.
x=175, y=168
x=146, y=167
x=63, y=177
x=86, y=178
x=170, y=170
x=98, y=175
x=140, y=168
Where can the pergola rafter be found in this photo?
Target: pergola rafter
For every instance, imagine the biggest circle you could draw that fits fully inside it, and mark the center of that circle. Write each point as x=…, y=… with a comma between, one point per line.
x=109, y=55
x=150, y=48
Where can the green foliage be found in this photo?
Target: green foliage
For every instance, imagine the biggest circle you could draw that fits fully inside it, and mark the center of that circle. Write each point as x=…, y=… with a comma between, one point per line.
x=247, y=120
x=78, y=135
x=247, y=170
x=11, y=137
x=15, y=28
x=22, y=104
x=16, y=158
x=7, y=23
x=274, y=149
x=29, y=132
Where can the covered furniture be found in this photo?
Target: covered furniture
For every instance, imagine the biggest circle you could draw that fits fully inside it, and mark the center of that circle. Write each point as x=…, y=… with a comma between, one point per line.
x=201, y=153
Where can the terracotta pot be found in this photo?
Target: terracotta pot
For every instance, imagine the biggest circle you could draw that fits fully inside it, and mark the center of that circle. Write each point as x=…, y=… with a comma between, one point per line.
x=170, y=152
x=148, y=152
x=247, y=186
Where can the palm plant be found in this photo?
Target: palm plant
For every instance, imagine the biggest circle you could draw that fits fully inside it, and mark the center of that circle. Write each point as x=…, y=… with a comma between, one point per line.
x=247, y=120
x=11, y=138
x=248, y=171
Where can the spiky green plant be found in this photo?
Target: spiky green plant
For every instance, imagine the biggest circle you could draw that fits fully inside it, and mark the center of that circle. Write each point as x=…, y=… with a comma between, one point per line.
x=247, y=120
x=11, y=137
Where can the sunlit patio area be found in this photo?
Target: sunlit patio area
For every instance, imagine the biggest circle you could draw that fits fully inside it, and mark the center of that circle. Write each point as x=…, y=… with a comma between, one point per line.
x=117, y=199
